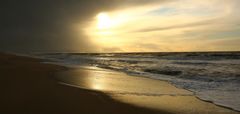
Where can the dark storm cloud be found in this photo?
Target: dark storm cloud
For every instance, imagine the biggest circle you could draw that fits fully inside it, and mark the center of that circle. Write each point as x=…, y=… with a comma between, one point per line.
x=46, y=25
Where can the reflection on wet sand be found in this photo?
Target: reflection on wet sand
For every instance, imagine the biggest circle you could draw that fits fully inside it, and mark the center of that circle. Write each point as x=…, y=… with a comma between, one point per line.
x=138, y=91
x=110, y=81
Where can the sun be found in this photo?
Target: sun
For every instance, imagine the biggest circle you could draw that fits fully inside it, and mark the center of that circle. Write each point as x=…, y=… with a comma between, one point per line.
x=104, y=21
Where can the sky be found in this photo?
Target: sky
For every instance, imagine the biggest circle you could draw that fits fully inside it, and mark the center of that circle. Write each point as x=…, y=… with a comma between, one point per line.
x=119, y=25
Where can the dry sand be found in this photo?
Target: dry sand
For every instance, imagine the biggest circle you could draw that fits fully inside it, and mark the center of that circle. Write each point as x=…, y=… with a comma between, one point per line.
x=29, y=87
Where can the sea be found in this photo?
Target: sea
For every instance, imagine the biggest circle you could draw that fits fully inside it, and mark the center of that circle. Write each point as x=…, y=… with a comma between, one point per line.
x=211, y=76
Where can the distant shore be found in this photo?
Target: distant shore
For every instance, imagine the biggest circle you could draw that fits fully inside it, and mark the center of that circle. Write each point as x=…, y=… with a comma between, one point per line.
x=28, y=86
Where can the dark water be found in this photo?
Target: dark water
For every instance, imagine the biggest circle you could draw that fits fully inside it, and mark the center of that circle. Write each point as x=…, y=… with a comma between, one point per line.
x=212, y=76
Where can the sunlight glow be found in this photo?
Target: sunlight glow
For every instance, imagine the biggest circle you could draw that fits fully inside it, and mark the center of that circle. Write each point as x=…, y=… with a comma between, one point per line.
x=166, y=27
x=104, y=21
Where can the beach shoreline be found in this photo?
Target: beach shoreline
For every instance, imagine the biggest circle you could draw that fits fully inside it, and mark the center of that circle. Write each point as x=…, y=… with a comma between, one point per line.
x=29, y=86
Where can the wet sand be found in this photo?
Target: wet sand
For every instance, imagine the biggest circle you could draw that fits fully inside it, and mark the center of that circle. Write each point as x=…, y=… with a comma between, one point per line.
x=138, y=91
x=30, y=87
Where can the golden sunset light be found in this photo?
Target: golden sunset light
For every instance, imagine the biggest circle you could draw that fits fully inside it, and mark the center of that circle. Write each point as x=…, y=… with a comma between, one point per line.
x=167, y=27
x=120, y=56
x=104, y=21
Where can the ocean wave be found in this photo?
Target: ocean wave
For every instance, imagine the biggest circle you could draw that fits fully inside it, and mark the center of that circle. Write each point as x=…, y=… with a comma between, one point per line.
x=165, y=72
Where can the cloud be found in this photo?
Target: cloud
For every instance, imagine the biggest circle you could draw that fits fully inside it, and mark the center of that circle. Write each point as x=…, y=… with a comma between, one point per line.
x=153, y=29
x=32, y=25
x=58, y=25
x=184, y=25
